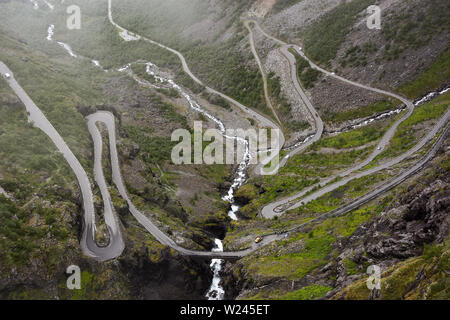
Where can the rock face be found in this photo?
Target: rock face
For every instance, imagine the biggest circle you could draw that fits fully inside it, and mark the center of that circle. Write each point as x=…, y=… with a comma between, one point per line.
x=400, y=232
x=423, y=219
x=171, y=278
x=146, y=270
x=133, y=276
x=417, y=216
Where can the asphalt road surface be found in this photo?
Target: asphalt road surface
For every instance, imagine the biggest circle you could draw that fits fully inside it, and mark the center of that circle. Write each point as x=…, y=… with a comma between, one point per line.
x=116, y=243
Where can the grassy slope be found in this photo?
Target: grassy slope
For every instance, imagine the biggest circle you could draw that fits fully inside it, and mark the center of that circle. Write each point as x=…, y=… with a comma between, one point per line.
x=306, y=169
x=219, y=64
x=30, y=164
x=304, y=253
x=316, y=244
x=371, y=110
x=400, y=281
x=406, y=135
x=58, y=84
x=436, y=75
x=324, y=37
x=301, y=170
x=411, y=29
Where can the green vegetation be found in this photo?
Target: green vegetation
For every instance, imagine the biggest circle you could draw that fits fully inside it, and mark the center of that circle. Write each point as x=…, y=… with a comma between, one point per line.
x=167, y=21
x=38, y=79
x=224, y=69
x=171, y=93
x=352, y=267
x=313, y=248
x=216, y=172
x=96, y=285
x=306, y=252
x=300, y=172
x=86, y=286
x=290, y=258
x=373, y=109
x=432, y=78
x=23, y=293
x=23, y=146
x=352, y=139
x=346, y=226
x=100, y=40
x=305, y=170
x=407, y=134
x=216, y=100
x=32, y=171
x=156, y=149
x=307, y=75
x=186, y=81
x=341, y=195
x=169, y=112
x=161, y=20
x=415, y=26
x=60, y=86
x=219, y=65
x=153, y=149
x=341, y=226
x=20, y=241
x=307, y=164
x=307, y=293
x=295, y=265
x=324, y=37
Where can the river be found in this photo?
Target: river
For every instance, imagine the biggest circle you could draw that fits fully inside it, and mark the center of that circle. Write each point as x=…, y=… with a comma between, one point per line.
x=216, y=292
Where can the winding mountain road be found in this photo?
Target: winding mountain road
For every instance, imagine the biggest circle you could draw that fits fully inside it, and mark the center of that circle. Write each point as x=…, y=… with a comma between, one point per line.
x=262, y=120
x=318, y=123
x=38, y=119
x=108, y=119
x=116, y=244
x=279, y=207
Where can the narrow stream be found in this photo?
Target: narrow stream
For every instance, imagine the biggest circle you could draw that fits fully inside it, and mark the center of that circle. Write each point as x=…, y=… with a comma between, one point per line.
x=51, y=32
x=49, y=5
x=67, y=48
x=384, y=115
x=431, y=96
x=216, y=292
x=240, y=176
x=366, y=122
